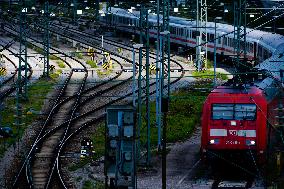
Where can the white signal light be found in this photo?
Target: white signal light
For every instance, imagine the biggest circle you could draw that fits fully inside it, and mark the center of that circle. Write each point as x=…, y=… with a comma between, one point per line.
x=252, y=142
x=233, y=123
x=212, y=141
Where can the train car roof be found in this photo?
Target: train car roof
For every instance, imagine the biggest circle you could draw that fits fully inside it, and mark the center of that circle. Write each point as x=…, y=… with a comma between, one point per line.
x=241, y=89
x=274, y=65
x=270, y=41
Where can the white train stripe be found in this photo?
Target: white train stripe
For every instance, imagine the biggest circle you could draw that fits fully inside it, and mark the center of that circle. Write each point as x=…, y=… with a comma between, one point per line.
x=218, y=132
x=247, y=133
x=224, y=132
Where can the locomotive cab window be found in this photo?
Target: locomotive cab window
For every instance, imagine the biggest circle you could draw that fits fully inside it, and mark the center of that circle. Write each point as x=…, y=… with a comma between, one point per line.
x=245, y=111
x=233, y=111
x=222, y=111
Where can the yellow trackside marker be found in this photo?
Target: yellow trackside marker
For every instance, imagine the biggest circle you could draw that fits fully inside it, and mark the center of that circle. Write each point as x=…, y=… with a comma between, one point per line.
x=105, y=65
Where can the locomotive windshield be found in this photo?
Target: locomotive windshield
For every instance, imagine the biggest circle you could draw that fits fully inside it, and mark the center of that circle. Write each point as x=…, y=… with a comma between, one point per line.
x=234, y=111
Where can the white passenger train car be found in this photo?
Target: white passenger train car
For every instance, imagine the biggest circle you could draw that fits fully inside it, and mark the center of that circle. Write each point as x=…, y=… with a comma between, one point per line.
x=260, y=45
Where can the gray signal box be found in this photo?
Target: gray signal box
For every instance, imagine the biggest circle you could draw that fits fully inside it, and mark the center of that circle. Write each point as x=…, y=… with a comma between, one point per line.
x=120, y=170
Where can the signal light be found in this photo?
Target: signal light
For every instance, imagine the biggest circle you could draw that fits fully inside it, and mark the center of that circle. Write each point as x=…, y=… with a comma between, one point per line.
x=214, y=141
x=250, y=142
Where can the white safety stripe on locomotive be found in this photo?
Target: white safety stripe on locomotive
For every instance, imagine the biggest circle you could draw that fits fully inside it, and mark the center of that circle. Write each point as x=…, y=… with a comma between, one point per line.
x=247, y=133
x=218, y=132
x=223, y=132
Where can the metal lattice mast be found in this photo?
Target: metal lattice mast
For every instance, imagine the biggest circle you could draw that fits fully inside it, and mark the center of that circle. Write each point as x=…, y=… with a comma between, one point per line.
x=46, y=40
x=74, y=10
x=240, y=31
x=165, y=50
x=108, y=13
x=22, y=78
x=144, y=39
x=97, y=8
x=158, y=79
x=163, y=57
x=166, y=33
x=201, y=24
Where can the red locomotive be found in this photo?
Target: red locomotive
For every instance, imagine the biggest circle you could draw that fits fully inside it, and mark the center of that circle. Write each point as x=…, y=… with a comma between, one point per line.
x=238, y=119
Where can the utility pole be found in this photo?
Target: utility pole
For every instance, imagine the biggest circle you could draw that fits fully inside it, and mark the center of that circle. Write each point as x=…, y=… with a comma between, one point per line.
x=158, y=80
x=144, y=39
x=46, y=40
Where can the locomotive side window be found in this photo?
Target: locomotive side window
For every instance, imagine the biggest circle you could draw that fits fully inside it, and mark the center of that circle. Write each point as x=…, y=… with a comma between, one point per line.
x=233, y=111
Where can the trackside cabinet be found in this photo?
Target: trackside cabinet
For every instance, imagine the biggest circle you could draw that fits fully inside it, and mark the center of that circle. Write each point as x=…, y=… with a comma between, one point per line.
x=120, y=170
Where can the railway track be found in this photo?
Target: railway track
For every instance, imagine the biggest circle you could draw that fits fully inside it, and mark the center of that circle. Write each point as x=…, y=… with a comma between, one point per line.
x=13, y=73
x=9, y=85
x=46, y=147
x=99, y=114
x=8, y=81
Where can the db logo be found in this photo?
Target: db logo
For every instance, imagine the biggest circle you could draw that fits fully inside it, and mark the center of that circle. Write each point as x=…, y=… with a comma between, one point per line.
x=233, y=132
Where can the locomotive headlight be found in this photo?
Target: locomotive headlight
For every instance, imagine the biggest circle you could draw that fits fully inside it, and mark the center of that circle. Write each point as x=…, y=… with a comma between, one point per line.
x=214, y=141
x=250, y=142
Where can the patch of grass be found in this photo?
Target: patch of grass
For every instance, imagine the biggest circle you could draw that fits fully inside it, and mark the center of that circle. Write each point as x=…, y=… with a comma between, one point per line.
x=92, y=63
x=79, y=165
x=54, y=75
x=208, y=74
x=98, y=139
x=99, y=185
x=210, y=64
x=36, y=94
x=30, y=46
x=59, y=71
x=88, y=185
x=39, y=50
x=103, y=73
x=184, y=114
x=79, y=55
x=60, y=63
x=78, y=179
x=53, y=57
